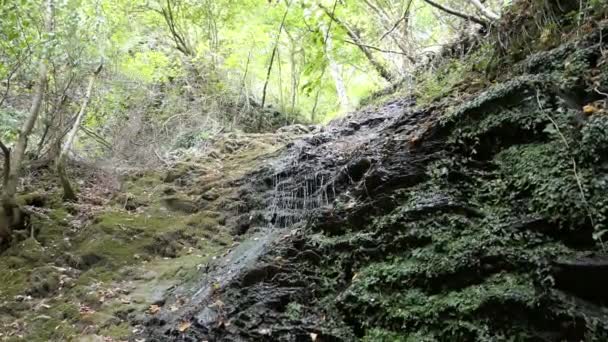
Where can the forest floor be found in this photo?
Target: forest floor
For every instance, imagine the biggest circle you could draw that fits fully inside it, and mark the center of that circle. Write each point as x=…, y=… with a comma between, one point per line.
x=96, y=266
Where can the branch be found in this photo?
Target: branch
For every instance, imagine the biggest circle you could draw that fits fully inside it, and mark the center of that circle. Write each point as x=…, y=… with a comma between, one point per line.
x=384, y=73
x=179, y=39
x=484, y=10
x=376, y=48
x=96, y=137
x=403, y=18
x=454, y=12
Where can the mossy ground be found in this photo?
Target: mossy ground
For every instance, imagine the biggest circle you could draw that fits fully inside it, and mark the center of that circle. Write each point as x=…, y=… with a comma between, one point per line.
x=96, y=268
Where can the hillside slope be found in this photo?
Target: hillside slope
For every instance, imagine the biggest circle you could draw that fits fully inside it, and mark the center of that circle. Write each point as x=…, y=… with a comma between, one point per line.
x=477, y=216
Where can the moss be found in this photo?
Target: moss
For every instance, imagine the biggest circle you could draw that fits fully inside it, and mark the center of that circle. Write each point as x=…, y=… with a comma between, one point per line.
x=65, y=311
x=36, y=199
x=119, y=332
x=294, y=310
x=381, y=335
x=29, y=250
x=412, y=308
x=53, y=229
x=44, y=329
x=13, y=281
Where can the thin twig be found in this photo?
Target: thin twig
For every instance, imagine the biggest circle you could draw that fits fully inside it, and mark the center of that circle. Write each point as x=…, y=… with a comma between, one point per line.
x=403, y=18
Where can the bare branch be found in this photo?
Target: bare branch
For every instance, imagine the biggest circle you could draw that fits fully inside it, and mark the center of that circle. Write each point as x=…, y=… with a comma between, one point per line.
x=405, y=18
x=459, y=14
x=484, y=10
x=355, y=37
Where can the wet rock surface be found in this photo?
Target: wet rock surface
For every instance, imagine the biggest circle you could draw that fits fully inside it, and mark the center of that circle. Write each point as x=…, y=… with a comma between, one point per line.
x=461, y=221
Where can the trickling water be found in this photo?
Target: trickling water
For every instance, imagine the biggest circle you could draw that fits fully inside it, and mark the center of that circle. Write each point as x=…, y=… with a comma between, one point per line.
x=309, y=175
x=305, y=178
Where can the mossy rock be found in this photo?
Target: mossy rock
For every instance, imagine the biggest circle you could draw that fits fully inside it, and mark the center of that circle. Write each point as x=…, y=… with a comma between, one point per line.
x=29, y=250
x=179, y=205
x=44, y=281
x=35, y=199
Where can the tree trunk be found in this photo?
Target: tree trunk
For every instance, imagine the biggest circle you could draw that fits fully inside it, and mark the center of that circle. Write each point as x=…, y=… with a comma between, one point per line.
x=7, y=163
x=382, y=71
x=274, y=53
x=11, y=212
x=68, y=191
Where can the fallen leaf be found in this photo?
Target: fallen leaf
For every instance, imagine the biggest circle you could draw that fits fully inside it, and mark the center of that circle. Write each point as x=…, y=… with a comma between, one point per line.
x=589, y=109
x=183, y=326
x=153, y=309
x=85, y=310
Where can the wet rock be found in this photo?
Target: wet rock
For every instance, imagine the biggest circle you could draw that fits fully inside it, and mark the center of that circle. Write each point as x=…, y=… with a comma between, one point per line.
x=397, y=218
x=259, y=274
x=295, y=129
x=584, y=276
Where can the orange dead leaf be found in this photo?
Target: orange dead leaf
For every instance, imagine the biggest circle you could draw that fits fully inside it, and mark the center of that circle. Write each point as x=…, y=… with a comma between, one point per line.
x=85, y=310
x=183, y=326
x=153, y=309
x=589, y=109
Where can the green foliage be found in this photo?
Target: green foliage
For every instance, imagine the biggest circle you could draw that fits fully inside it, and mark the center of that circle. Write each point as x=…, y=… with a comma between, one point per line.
x=432, y=84
x=437, y=83
x=192, y=139
x=543, y=171
x=9, y=124
x=594, y=139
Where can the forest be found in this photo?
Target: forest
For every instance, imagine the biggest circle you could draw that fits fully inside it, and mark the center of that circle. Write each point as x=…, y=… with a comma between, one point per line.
x=303, y=170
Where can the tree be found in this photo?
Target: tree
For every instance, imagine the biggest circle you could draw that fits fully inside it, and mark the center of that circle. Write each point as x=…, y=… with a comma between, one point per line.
x=272, y=56
x=381, y=69
x=68, y=191
x=11, y=212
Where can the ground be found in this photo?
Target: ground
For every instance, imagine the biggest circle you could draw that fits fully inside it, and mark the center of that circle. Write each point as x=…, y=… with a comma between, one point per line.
x=95, y=267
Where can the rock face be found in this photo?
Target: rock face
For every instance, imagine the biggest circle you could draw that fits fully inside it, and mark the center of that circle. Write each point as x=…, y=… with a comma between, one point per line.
x=475, y=219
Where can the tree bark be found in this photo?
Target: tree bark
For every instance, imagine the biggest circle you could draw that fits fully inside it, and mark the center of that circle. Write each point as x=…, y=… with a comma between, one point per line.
x=11, y=215
x=179, y=38
x=382, y=71
x=7, y=163
x=272, y=56
x=18, y=154
x=68, y=191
